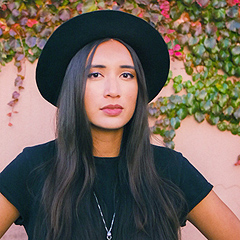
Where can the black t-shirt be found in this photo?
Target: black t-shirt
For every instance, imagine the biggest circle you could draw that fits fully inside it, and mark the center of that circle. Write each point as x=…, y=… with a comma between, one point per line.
x=18, y=181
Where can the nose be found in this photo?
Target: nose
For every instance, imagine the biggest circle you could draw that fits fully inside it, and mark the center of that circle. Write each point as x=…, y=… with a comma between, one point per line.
x=112, y=87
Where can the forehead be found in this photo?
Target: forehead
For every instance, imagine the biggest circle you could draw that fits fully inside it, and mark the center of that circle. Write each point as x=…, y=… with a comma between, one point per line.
x=112, y=50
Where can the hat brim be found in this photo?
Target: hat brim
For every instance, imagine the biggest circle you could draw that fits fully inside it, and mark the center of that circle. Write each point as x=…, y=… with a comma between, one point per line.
x=74, y=34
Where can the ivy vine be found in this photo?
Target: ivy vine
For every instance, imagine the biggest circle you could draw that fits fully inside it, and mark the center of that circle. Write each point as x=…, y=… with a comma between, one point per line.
x=203, y=34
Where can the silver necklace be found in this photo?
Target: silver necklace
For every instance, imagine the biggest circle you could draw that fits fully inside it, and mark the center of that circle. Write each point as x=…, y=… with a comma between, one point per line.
x=109, y=234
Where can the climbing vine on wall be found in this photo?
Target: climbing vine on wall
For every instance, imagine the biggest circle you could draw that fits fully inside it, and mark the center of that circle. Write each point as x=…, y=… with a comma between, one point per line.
x=203, y=34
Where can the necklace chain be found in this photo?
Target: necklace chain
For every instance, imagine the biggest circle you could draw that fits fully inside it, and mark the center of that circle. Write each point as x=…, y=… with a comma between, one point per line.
x=109, y=234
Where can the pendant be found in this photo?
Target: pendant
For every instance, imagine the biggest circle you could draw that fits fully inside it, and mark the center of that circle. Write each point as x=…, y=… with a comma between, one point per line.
x=109, y=236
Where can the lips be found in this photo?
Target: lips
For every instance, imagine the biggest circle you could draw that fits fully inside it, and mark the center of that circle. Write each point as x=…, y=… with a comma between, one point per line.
x=112, y=110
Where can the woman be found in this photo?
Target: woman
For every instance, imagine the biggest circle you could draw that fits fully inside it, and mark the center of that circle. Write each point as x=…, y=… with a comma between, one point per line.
x=101, y=178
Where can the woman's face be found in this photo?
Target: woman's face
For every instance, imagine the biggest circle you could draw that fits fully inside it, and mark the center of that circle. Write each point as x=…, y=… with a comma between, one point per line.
x=111, y=88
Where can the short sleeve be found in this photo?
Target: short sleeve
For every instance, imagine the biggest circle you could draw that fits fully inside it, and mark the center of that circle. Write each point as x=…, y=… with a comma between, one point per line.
x=21, y=180
x=13, y=185
x=192, y=183
x=176, y=168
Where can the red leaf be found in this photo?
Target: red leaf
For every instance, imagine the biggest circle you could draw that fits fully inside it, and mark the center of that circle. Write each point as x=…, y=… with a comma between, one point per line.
x=9, y=124
x=64, y=15
x=12, y=103
x=18, y=81
x=203, y=3
x=233, y=2
x=31, y=22
x=9, y=114
x=237, y=163
x=15, y=95
x=4, y=7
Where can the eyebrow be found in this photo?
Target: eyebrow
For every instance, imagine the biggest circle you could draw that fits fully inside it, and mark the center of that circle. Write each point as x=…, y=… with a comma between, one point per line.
x=121, y=66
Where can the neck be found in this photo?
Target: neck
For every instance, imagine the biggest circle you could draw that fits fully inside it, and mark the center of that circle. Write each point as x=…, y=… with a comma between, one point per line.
x=106, y=143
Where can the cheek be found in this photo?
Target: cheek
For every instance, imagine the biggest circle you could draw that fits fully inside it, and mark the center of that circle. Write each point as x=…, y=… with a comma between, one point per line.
x=88, y=100
x=132, y=98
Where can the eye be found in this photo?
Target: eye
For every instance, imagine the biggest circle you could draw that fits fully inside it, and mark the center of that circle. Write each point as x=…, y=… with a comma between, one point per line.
x=127, y=75
x=94, y=75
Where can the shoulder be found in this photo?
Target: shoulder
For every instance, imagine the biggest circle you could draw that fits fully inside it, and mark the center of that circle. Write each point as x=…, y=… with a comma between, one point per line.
x=40, y=152
x=31, y=157
x=168, y=162
x=172, y=165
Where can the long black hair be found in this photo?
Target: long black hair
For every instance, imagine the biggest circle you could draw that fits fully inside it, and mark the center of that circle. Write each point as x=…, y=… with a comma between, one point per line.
x=67, y=196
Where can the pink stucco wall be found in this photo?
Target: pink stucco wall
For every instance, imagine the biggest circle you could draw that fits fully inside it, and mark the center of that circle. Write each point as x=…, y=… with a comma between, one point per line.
x=209, y=150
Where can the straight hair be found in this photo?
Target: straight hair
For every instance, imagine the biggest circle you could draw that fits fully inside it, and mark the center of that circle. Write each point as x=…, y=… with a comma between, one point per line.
x=67, y=202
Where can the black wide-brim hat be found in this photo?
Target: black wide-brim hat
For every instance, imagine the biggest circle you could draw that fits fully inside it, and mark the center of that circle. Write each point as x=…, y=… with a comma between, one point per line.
x=74, y=34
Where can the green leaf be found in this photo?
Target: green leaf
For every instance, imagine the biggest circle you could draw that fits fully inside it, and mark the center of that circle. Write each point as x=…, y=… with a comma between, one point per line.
x=224, y=43
x=175, y=13
x=175, y=99
x=228, y=111
x=189, y=99
x=213, y=120
x=182, y=113
x=193, y=41
x=89, y=6
x=219, y=3
x=219, y=14
x=236, y=60
x=171, y=106
x=188, y=2
x=170, y=74
x=199, y=85
x=220, y=25
x=187, y=84
x=235, y=50
x=163, y=109
x=216, y=109
x=222, y=126
x=170, y=144
x=178, y=79
x=227, y=66
x=199, y=117
x=210, y=43
x=235, y=103
x=197, y=61
x=175, y=122
x=201, y=95
x=169, y=135
x=224, y=54
x=181, y=6
x=235, y=93
x=233, y=25
x=233, y=128
x=205, y=106
x=213, y=96
x=195, y=77
x=163, y=101
x=177, y=87
x=223, y=99
x=223, y=88
x=189, y=70
x=198, y=50
x=236, y=114
x=208, y=63
x=237, y=73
